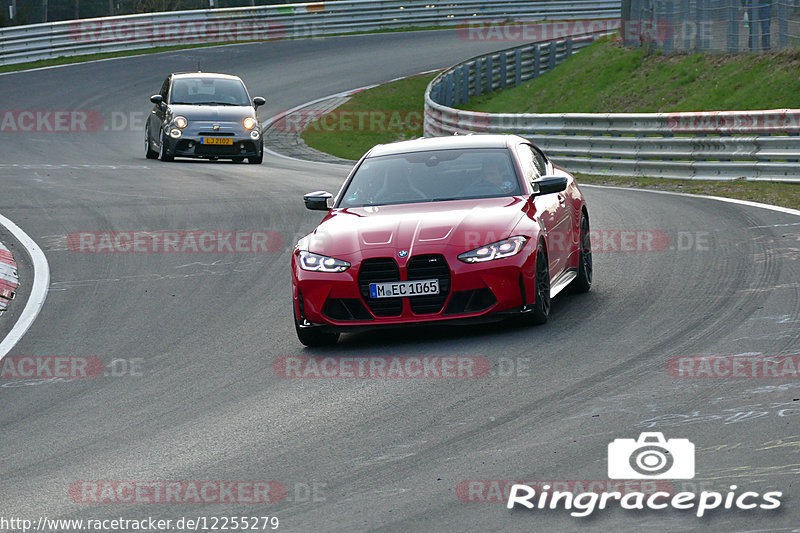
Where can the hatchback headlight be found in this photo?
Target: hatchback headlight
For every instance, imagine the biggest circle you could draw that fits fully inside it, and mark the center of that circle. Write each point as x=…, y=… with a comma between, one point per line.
x=250, y=123
x=495, y=250
x=321, y=263
x=181, y=122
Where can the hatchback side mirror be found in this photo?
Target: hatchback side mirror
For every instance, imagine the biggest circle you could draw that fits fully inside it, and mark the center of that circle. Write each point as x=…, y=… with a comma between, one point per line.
x=157, y=99
x=259, y=101
x=549, y=185
x=317, y=200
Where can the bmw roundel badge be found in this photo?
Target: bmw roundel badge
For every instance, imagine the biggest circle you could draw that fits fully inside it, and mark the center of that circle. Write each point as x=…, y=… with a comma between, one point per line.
x=402, y=253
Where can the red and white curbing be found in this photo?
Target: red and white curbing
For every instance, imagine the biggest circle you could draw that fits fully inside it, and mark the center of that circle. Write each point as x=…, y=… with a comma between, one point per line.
x=9, y=280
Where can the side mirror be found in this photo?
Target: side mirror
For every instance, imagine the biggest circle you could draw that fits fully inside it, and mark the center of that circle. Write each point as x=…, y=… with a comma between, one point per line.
x=259, y=101
x=549, y=185
x=317, y=200
x=157, y=99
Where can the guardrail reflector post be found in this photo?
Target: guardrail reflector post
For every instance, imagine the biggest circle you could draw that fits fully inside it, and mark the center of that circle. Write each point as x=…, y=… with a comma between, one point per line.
x=478, y=76
x=537, y=60
x=503, y=71
x=489, y=74
x=448, y=90
x=552, y=59
x=517, y=66
x=464, y=84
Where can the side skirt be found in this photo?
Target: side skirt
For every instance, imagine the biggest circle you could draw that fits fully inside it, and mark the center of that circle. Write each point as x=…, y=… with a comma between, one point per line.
x=561, y=282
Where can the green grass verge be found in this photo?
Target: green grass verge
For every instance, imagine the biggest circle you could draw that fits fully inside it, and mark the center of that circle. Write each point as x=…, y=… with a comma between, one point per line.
x=607, y=78
x=384, y=114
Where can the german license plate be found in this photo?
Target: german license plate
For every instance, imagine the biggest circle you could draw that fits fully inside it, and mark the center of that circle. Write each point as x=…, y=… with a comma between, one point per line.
x=399, y=289
x=216, y=140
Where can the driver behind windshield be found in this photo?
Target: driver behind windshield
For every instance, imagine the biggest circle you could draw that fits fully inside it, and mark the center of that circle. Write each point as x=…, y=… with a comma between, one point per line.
x=496, y=171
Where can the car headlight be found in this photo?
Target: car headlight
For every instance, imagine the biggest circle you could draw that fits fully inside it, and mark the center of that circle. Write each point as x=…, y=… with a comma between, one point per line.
x=250, y=123
x=181, y=122
x=495, y=250
x=321, y=263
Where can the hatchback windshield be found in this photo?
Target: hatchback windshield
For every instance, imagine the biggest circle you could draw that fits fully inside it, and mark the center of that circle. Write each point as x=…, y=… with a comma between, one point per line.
x=432, y=176
x=208, y=91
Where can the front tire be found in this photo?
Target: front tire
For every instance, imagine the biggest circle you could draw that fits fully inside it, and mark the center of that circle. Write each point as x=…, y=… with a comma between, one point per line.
x=312, y=336
x=164, y=156
x=583, y=282
x=149, y=153
x=541, y=307
x=259, y=158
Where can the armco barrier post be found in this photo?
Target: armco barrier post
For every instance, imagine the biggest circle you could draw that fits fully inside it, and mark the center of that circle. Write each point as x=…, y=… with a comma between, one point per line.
x=489, y=74
x=503, y=71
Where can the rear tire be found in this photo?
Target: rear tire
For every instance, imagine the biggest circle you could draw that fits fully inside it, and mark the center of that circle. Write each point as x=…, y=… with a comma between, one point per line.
x=583, y=282
x=149, y=153
x=541, y=307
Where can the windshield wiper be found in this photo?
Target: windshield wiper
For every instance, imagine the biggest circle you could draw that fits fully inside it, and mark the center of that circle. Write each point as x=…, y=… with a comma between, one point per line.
x=216, y=103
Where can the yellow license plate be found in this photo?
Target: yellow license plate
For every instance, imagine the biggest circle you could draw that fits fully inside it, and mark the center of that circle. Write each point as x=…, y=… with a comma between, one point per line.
x=216, y=140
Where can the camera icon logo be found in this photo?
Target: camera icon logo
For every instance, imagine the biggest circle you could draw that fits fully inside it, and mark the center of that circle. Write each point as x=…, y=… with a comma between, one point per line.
x=651, y=457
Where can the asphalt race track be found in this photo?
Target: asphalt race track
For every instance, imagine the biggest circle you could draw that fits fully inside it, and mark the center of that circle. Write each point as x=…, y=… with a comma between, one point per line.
x=189, y=340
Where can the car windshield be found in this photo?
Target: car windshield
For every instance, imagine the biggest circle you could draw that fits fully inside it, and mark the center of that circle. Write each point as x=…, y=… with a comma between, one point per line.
x=208, y=91
x=432, y=176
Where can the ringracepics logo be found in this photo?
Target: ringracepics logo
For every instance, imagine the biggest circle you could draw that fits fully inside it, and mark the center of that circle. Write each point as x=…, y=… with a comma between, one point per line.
x=650, y=456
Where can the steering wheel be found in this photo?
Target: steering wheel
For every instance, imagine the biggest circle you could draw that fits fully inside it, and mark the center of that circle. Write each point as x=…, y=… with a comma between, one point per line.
x=482, y=188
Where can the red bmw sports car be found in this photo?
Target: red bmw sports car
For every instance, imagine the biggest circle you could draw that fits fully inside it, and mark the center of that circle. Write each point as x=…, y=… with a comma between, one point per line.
x=441, y=229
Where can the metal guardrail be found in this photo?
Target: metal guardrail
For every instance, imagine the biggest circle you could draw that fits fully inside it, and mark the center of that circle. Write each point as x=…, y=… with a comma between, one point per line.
x=130, y=32
x=704, y=145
